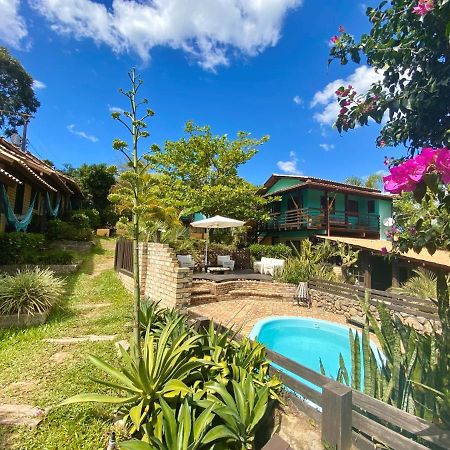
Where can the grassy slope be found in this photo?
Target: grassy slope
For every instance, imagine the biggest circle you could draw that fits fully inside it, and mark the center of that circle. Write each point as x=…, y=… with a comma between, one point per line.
x=29, y=375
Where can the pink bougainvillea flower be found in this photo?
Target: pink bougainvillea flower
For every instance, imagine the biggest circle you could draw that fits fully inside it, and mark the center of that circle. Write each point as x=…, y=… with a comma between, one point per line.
x=423, y=7
x=397, y=185
x=384, y=251
x=341, y=29
x=382, y=143
x=334, y=39
x=443, y=164
x=427, y=156
x=414, y=169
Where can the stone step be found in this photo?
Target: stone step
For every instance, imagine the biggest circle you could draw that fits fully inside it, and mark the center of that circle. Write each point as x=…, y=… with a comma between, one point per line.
x=257, y=293
x=200, y=290
x=203, y=298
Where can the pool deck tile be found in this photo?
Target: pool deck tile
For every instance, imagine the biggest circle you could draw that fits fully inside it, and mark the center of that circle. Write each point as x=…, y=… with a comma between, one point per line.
x=245, y=312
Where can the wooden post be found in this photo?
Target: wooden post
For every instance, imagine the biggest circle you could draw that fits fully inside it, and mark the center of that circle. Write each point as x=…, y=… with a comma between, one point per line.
x=337, y=416
x=395, y=274
x=327, y=213
x=365, y=263
x=345, y=209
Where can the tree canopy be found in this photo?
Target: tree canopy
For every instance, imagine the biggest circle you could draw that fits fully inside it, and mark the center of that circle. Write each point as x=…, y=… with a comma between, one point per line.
x=17, y=97
x=96, y=181
x=409, y=46
x=200, y=171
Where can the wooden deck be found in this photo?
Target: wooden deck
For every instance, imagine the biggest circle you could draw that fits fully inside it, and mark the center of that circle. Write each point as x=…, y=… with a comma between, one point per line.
x=235, y=275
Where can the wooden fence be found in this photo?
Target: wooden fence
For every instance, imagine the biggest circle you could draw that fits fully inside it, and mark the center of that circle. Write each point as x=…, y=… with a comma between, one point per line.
x=393, y=301
x=349, y=417
x=123, y=256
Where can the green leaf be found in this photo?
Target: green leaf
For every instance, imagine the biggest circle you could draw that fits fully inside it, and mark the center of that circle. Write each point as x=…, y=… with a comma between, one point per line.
x=96, y=398
x=135, y=445
x=217, y=433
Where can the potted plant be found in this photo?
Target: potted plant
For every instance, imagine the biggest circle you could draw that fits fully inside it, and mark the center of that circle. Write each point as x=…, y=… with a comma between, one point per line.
x=27, y=297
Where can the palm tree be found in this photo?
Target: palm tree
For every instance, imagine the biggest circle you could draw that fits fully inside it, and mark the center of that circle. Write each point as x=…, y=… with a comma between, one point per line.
x=374, y=181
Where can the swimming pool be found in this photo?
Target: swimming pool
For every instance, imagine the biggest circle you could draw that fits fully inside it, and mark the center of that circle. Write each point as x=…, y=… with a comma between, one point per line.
x=306, y=341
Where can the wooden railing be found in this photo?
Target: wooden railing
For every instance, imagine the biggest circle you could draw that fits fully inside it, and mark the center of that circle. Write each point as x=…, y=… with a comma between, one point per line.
x=349, y=417
x=316, y=218
x=393, y=301
x=123, y=256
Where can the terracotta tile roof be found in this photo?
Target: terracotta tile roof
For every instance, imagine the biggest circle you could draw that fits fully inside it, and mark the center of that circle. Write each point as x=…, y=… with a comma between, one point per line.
x=337, y=187
x=275, y=177
x=441, y=258
x=7, y=175
x=37, y=168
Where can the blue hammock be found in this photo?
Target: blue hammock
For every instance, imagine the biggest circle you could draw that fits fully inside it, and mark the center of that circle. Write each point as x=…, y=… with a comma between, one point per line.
x=53, y=212
x=11, y=218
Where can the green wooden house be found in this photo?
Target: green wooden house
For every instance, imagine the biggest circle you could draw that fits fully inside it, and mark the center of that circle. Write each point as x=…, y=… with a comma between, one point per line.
x=307, y=206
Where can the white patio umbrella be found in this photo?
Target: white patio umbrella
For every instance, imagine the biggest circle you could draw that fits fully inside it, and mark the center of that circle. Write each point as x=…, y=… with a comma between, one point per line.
x=215, y=222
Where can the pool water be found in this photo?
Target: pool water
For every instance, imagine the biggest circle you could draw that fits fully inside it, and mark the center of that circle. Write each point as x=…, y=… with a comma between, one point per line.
x=306, y=341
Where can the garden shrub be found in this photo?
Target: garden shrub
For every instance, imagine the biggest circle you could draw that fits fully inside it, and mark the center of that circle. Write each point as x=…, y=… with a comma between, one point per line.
x=50, y=257
x=86, y=218
x=279, y=251
x=29, y=292
x=19, y=248
x=58, y=229
x=190, y=379
x=80, y=220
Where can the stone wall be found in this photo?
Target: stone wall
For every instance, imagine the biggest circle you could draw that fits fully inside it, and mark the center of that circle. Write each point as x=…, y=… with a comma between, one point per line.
x=351, y=309
x=204, y=291
x=162, y=278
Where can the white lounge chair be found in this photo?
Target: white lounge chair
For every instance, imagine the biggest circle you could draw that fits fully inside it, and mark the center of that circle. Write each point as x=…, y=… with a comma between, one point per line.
x=268, y=266
x=225, y=261
x=186, y=261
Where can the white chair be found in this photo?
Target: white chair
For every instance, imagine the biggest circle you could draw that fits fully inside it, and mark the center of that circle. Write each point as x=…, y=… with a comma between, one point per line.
x=225, y=261
x=273, y=266
x=186, y=261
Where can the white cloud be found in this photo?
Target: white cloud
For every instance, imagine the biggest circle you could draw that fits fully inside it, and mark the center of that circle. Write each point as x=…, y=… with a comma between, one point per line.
x=361, y=79
x=38, y=84
x=208, y=30
x=327, y=147
x=297, y=100
x=290, y=166
x=115, y=109
x=13, y=29
x=83, y=134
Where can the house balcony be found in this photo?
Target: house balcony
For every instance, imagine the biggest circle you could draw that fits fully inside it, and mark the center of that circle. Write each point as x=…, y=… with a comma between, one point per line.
x=333, y=222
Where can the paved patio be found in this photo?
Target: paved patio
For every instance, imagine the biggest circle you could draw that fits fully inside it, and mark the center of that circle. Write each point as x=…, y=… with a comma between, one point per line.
x=245, y=312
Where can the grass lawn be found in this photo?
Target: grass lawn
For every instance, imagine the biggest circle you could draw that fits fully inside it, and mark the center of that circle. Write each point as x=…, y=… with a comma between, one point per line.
x=42, y=374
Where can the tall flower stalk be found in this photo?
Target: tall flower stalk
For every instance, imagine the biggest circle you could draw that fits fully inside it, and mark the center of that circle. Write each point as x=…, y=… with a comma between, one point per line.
x=136, y=127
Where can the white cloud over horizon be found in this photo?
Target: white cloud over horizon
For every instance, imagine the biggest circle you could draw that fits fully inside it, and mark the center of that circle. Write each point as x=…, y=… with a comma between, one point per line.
x=13, y=29
x=115, y=109
x=83, y=134
x=290, y=166
x=361, y=79
x=211, y=32
x=39, y=84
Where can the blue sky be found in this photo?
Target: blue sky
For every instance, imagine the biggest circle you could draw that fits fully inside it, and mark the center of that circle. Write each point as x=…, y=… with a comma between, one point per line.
x=251, y=65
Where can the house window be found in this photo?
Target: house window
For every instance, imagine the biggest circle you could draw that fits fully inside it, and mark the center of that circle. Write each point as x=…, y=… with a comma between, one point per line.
x=18, y=204
x=331, y=203
x=275, y=207
x=352, y=207
x=294, y=201
x=371, y=206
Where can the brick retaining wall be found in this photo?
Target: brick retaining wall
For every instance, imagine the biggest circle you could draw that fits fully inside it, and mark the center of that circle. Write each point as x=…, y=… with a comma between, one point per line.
x=162, y=278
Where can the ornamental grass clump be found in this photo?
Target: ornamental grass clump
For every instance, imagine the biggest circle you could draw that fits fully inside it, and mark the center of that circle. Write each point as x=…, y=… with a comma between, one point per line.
x=29, y=292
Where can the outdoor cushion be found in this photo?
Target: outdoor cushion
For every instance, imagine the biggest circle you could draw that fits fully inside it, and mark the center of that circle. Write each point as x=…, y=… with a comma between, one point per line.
x=186, y=261
x=225, y=261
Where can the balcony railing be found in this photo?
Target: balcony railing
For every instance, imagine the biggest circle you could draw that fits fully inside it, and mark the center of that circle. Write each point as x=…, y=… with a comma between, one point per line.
x=318, y=219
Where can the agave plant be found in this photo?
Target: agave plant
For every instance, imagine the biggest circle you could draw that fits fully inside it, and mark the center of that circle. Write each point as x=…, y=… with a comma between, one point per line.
x=422, y=284
x=186, y=430
x=29, y=291
x=163, y=371
x=241, y=412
